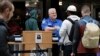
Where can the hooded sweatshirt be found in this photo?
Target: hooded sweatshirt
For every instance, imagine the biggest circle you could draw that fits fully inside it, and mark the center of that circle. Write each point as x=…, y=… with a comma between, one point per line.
x=66, y=28
x=31, y=23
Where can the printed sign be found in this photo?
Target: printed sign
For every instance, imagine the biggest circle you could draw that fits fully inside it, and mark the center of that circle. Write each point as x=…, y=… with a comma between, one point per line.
x=38, y=37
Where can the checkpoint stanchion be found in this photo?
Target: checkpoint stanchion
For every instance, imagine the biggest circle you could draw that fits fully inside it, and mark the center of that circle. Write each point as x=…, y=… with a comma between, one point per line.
x=22, y=51
x=30, y=51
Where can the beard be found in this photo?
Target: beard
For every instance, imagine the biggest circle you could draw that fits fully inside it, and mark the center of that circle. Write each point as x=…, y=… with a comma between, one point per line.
x=54, y=17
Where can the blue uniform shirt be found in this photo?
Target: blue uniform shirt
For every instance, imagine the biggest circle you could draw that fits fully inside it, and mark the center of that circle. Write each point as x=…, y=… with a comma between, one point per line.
x=49, y=23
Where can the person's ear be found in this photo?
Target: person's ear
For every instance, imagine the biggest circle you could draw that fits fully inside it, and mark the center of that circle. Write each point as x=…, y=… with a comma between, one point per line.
x=7, y=11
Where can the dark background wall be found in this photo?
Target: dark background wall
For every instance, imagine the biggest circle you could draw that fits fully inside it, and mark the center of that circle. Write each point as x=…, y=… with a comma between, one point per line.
x=20, y=8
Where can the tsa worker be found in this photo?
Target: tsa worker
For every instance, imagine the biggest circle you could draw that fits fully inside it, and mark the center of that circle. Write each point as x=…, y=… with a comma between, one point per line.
x=52, y=24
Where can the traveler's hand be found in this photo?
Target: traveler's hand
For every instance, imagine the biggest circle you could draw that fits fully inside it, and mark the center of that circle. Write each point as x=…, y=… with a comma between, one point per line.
x=72, y=54
x=60, y=43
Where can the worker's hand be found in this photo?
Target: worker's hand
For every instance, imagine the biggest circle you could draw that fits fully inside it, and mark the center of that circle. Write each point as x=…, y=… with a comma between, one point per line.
x=50, y=28
x=57, y=27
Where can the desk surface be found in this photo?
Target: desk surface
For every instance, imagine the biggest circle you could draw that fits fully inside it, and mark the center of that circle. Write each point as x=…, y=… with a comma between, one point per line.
x=30, y=43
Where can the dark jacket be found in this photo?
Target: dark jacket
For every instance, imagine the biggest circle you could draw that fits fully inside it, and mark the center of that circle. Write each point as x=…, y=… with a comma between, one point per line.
x=78, y=33
x=4, y=38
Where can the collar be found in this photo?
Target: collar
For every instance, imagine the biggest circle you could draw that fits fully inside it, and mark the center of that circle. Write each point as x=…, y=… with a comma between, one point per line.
x=2, y=22
x=71, y=16
x=52, y=20
x=87, y=17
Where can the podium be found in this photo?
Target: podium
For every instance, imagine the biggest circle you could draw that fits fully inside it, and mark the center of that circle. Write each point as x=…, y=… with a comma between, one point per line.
x=43, y=38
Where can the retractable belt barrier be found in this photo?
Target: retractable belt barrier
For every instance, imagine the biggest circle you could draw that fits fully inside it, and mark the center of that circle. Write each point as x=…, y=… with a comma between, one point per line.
x=29, y=51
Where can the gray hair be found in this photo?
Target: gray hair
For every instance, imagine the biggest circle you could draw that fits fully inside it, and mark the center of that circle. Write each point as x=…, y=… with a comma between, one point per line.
x=51, y=9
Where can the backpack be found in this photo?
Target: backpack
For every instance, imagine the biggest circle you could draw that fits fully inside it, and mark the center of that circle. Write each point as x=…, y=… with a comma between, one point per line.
x=72, y=29
x=68, y=41
x=91, y=34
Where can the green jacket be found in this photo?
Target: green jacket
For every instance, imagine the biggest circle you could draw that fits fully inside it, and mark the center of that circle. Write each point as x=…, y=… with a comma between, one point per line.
x=31, y=23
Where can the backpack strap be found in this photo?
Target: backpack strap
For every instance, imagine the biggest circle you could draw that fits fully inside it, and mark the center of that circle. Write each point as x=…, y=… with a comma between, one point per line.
x=89, y=21
x=71, y=20
x=85, y=21
x=72, y=29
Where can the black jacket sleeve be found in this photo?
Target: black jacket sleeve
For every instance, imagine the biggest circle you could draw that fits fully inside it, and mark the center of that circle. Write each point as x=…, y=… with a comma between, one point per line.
x=4, y=37
x=10, y=38
x=76, y=37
